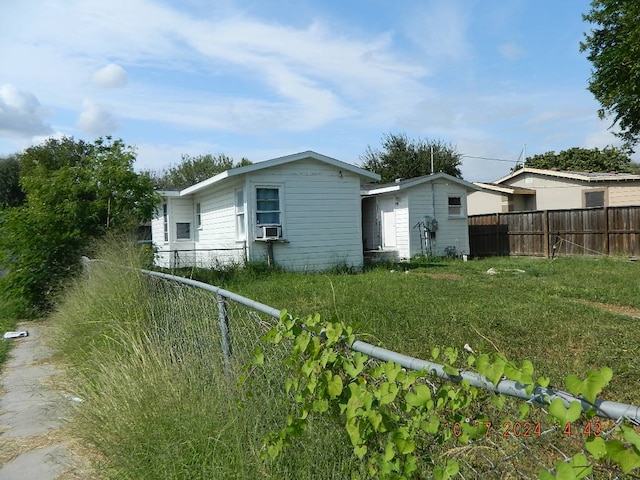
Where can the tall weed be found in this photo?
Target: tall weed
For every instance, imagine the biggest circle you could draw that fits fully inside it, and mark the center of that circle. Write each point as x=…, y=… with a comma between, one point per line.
x=146, y=358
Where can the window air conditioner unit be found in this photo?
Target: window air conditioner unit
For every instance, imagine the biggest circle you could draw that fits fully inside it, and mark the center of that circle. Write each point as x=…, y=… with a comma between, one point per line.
x=271, y=232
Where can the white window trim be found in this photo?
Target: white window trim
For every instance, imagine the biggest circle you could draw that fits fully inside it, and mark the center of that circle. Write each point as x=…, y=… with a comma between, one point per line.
x=462, y=207
x=178, y=239
x=165, y=222
x=254, y=208
x=198, y=216
x=240, y=217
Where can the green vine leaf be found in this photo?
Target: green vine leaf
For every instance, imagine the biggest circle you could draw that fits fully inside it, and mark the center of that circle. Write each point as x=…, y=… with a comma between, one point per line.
x=334, y=387
x=451, y=354
x=451, y=371
x=449, y=471
x=403, y=442
x=591, y=386
x=386, y=410
x=630, y=435
x=597, y=447
x=387, y=393
x=333, y=332
x=360, y=451
x=543, y=381
x=420, y=397
x=627, y=458
x=258, y=357
x=354, y=365
x=580, y=465
x=565, y=414
x=492, y=370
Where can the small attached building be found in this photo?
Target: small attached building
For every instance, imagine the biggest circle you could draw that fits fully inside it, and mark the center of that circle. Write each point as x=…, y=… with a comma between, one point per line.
x=302, y=212
x=420, y=216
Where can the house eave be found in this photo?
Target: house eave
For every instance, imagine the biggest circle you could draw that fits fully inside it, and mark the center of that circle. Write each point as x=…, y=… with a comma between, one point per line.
x=505, y=189
x=412, y=182
x=365, y=174
x=581, y=176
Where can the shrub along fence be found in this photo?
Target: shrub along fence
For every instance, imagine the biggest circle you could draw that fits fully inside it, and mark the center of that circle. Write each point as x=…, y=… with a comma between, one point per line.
x=512, y=444
x=546, y=233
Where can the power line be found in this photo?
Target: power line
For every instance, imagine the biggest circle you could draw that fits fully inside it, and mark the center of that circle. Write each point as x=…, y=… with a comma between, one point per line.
x=491, y=158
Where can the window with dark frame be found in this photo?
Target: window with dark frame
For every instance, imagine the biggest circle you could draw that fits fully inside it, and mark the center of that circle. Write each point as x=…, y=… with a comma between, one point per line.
x=268, y=206
x=165, y=222
x=594, y=199
x=455, y=206
x=198, y=216
x=240, y=229
x=183, y=231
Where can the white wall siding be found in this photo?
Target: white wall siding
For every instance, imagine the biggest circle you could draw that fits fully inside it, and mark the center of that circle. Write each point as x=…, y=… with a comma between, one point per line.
x=421, y=205
x=216, y=240
x=157, y=236
x=453, y=231
x=321, y=216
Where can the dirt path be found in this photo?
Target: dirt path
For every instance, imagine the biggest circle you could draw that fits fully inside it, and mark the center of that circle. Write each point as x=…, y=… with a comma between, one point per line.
x=33, y=415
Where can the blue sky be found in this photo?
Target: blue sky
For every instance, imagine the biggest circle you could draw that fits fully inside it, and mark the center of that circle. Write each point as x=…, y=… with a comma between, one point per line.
x=261, y=79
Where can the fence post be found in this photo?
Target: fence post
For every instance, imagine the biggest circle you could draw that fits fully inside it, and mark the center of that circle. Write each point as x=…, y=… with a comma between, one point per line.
x=605, y=239
x=225, y=339
x=498, y=246
x=545, y=233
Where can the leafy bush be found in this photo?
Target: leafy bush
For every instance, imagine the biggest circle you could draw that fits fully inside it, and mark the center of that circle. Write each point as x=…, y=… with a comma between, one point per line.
x=76, y=192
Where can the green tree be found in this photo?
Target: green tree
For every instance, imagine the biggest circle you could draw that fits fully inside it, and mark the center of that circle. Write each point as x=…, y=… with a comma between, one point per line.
x=11, y=194
x=195, y=169
x=76, y=192
x=612, y=47
x=404, y=158
x=610, y=159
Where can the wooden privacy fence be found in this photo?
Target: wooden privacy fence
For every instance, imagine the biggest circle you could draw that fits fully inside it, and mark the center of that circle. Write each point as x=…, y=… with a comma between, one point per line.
x=585, y=231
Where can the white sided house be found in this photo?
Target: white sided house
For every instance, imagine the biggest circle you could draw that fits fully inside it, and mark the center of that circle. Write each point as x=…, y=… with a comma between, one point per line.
x=301, y=212
x=420, y=216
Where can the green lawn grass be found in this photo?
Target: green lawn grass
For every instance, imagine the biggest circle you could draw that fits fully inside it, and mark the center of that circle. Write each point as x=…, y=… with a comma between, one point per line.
x=159, y=404
x=552, y=312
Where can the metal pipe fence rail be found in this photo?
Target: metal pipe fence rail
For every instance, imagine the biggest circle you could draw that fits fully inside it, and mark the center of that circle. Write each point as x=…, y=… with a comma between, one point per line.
x=230, y=326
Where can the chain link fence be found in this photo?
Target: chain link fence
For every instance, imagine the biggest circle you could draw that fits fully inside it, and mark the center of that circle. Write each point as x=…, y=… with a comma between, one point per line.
x=201, y=257
x=212, y=333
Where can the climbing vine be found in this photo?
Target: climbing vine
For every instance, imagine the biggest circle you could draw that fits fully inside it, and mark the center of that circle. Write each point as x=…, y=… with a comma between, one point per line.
x=392, y=416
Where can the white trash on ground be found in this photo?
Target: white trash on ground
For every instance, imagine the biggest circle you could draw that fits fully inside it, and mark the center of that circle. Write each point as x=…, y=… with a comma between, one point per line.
x=21, y=334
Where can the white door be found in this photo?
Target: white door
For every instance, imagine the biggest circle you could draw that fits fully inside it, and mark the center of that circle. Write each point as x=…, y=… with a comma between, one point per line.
x=388, y=213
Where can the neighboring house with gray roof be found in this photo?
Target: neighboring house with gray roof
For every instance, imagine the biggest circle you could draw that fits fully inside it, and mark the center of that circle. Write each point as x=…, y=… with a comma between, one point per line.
x=536, y=189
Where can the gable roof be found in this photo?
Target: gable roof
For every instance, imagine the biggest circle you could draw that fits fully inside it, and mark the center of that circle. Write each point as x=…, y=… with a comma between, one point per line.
x=582, y=176
x=274, y=162
x=505, y=188
x=377, y=189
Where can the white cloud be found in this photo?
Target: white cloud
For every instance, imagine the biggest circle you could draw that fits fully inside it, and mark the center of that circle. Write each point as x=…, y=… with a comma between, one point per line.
x=288, y=77
x=21, y=114
x=111, y=76
x=96, y=120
